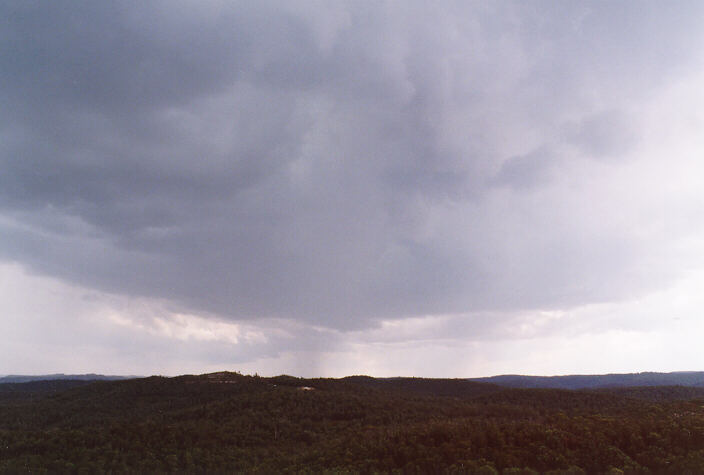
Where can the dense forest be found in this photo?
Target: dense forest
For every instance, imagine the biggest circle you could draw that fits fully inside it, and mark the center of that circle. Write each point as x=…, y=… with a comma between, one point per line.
x=228, y=422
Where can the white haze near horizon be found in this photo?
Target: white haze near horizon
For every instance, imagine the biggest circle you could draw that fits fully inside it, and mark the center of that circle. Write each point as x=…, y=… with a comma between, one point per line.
x=323, y=189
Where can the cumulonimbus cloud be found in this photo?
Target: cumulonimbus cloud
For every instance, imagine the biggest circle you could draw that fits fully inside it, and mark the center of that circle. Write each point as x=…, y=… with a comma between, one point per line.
x=333, y=163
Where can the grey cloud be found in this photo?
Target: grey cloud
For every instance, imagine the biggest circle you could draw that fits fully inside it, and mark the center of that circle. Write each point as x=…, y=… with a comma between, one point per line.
x=260, y=160
x=603, y=136
x=526, y=171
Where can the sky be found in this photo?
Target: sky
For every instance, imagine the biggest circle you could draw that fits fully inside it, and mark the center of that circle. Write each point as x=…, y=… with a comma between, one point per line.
x=326, y=188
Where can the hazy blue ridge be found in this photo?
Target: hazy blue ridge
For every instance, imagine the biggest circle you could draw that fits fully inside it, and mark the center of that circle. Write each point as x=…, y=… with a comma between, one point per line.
x=16, y=378
x=679, y=378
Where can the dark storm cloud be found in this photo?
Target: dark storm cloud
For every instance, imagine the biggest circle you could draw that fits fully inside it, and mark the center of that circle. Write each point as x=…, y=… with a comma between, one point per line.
x=333, y=163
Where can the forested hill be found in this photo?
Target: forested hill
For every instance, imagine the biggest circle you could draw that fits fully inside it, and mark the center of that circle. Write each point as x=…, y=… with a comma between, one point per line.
x=229, y=422
x=680, y=378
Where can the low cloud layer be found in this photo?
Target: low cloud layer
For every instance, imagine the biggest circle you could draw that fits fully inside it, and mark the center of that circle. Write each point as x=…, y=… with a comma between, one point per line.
x=340, y=165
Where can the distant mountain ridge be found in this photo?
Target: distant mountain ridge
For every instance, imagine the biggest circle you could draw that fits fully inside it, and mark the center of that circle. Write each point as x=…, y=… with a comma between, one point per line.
x=17, y=378
x=592, y=381
x=677, y=378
